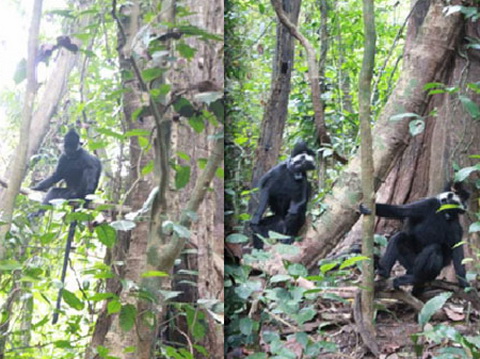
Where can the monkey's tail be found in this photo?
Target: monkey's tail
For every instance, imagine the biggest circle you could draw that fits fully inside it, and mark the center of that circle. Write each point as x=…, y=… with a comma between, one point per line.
x=71, y=234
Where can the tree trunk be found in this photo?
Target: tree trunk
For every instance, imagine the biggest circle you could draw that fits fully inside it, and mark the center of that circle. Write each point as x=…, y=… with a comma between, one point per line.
x=365, y=317
x=449, y=137
x=130, y=247
x=203, y=254
x=276, y=110
x=20, y=162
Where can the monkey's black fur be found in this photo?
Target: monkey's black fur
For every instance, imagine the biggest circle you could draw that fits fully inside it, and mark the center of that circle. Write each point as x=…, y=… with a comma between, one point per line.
x=286, y=190
x=429, y=239
x=81, y=172
x=79, y=169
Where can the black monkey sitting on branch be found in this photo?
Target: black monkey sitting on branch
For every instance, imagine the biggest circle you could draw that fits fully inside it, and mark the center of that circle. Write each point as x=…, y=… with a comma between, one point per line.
x=430, y=238
x=81, y=172
x=286, y=190
x=79, y=169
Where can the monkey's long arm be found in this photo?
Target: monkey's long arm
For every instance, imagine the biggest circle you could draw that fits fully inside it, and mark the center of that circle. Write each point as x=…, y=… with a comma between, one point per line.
x=416, y=209
x=54, y=178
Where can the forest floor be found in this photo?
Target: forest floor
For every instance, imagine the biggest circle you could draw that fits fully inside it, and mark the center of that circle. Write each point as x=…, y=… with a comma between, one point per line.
x=395, y=329
x=452, y=328
x=397, y=325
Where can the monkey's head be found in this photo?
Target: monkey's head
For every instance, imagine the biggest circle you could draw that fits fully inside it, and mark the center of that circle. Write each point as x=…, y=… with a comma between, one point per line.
x=453, y=201
x=302, y=158
x=71, y=143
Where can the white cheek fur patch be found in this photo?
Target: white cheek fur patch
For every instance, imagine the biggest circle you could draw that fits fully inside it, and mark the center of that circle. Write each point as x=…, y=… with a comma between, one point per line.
x=303, y=156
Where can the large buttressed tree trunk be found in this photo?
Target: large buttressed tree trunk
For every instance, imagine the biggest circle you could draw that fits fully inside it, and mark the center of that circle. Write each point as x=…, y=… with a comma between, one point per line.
x=276, y=110
x=425, y=61
x=449, y=137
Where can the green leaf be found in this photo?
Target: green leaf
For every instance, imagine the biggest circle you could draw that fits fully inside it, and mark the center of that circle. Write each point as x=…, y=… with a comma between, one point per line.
x=181, y=231
x=195, y=320
x=197, y=124
x=474, y=227
x=452, y=9
x=432, y=85
x=127, y=317
x=148, y=168
x=139, y=112
x=431, y=307
x=286, y=249
x=306, y=314
x=183, y=156
x=186, y=51
x=209, y=97
x=218, y=109
x=196, y=31
x=106, y=234
x=463, y=174
x=352, y=260
x=237, y=238
x=84, y=37
x=182, y=176
x=149, y=75
x=471, y=107
x=280, y=278
x=202, y=162
x=161, y=91
x=183, y=107
x=401, y=116
x=123, y=225
x=20, y=71
x=246, y=326
x=72, y=300
x=114, y=306
x=130, y=349
x=297, y=270
x=154, y=273
x=9, y=265
x=63, y=344
x=138, y=132
x=97, y=297
x=109, y=133
x=102, y=351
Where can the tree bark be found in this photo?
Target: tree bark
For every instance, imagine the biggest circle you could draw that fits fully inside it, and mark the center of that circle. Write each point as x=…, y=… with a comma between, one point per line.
x=205, y=247
x=276, y=110
x=448, y=139
x=20, y=163
x=365, y=317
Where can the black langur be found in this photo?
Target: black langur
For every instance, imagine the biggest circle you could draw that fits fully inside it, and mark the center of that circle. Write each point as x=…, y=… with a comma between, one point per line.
x=286, y=190
x=81, y=172
x=79, y=169
x=429, y=240
x=46, y=50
